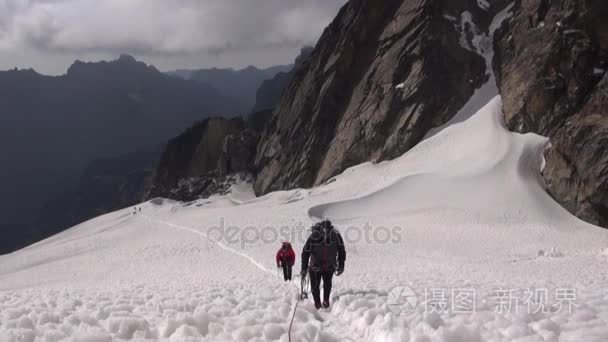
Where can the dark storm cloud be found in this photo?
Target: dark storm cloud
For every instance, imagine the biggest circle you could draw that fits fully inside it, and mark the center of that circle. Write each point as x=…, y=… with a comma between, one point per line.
x=161, y=27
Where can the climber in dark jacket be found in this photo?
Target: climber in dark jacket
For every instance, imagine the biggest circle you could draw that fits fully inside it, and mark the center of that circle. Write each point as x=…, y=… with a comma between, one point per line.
x=325, y=250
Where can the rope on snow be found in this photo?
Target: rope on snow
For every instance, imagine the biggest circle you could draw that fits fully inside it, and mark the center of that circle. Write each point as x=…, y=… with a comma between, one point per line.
x=304, y=284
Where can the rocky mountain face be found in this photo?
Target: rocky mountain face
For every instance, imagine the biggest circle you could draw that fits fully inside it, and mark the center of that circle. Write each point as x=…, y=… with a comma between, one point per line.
x=238, y=85
x=207, y=158
x=270, y=92
x=551, y=67
x=383, y=74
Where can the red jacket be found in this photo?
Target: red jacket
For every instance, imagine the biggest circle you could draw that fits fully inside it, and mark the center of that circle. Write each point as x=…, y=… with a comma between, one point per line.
x=286, y=255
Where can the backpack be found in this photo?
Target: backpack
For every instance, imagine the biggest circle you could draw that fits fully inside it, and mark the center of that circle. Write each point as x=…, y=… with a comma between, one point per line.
x=324, y=251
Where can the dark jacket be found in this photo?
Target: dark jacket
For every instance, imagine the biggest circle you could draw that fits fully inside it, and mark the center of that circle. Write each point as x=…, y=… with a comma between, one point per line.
x=324, y=248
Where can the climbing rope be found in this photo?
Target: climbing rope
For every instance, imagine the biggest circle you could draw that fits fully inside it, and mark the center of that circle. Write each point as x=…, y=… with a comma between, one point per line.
x=304, y=290
x=292, y=317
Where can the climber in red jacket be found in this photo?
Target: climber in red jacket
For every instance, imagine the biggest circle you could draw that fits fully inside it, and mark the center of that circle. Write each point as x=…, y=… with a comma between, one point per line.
x=285, y=259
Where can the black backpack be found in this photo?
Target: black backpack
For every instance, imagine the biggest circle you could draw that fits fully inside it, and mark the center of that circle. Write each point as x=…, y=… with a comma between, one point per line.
x=324, y=250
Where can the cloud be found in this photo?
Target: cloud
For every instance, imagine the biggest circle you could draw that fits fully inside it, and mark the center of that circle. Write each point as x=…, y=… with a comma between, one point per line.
x=162, y=27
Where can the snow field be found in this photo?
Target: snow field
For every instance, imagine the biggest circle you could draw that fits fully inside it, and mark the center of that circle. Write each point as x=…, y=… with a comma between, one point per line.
x=469, y=213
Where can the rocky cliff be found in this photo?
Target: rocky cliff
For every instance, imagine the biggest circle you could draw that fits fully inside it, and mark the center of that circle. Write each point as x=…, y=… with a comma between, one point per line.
x=551, y=67
x=206, y=158
x=383, y=74
x=386, y=74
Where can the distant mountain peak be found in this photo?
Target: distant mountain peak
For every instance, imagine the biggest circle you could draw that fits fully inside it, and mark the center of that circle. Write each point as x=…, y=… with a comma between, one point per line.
x=240, y=85
x=251, y=68
x=123, y=63
x=127, y=58
x=28, y=71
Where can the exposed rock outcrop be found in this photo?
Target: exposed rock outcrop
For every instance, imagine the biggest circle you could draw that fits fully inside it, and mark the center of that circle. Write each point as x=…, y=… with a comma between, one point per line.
x=238, y=152
x=551, y=68
x=193, y=154
x=208, y=158
x=382, y=75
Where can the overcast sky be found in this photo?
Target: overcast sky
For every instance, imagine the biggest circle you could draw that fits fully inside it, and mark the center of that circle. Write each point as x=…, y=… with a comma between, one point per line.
x=48, y=35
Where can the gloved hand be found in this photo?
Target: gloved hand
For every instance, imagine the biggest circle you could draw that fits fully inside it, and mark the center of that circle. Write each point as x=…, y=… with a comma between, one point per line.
x=303, y=274
x=340, y=270
x=278, y=265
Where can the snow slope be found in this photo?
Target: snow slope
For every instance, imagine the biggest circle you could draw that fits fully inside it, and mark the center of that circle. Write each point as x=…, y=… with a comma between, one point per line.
x=464, y=210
